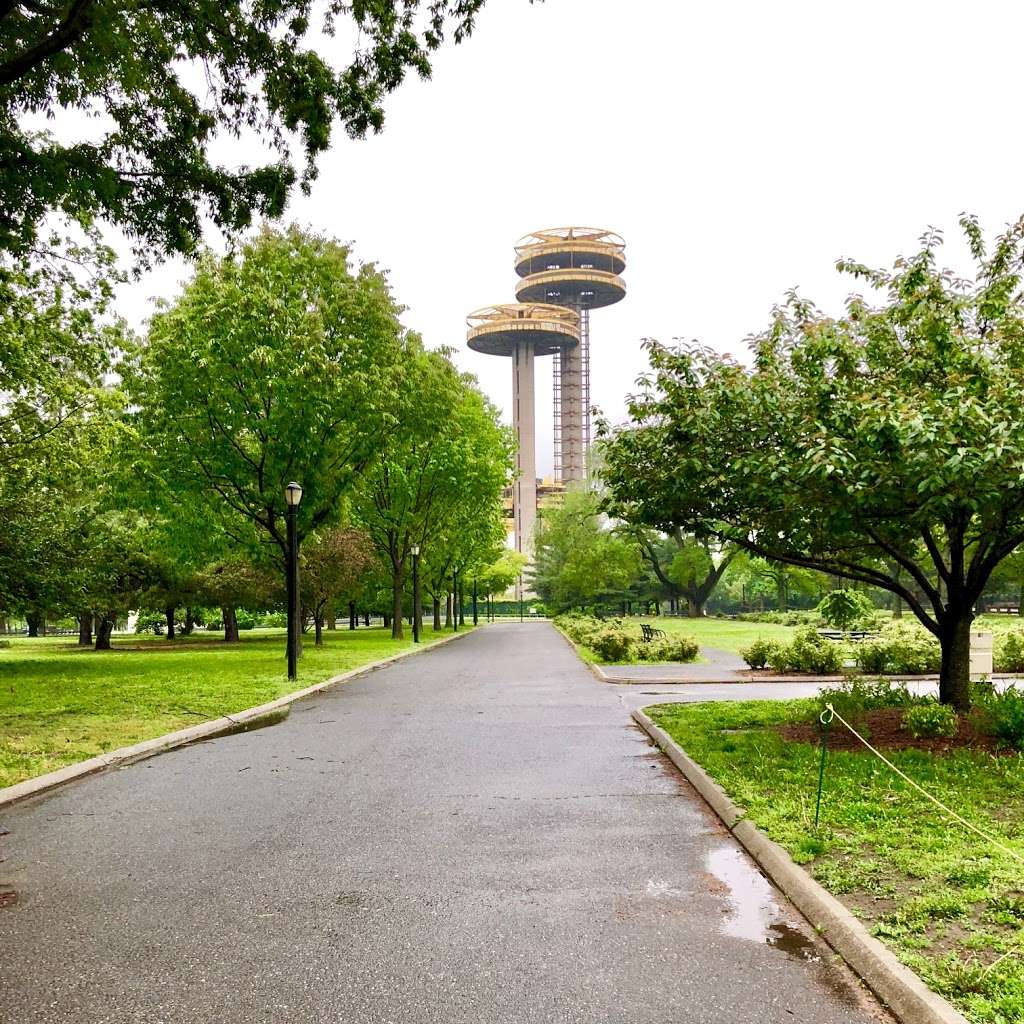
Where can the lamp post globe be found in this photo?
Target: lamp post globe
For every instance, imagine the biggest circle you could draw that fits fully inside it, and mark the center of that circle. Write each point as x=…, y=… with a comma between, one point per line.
x=292, y=497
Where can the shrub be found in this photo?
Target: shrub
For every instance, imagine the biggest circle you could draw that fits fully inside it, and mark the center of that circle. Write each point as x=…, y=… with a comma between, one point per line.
x=759, y=653
x=809, y=651
x=611, y=643
x=672, y=648
x=578, y=628
x=1002, y=715
x=275, y=619
x=846, y=609
x=852, y=698
x=899, y=649
x=150, y=622
x=1009, y=652
x=930, y=719
x=245, y=620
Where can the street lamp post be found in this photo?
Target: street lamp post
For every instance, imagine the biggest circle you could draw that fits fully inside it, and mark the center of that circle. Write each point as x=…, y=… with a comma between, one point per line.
x=293, y=495
x=415, y=593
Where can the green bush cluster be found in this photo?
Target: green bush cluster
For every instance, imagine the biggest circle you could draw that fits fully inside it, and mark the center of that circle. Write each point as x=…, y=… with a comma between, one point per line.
x=854, y=697
x=615, y=641
x=1001, y=714
x=808, y=651
x=930, y=719
x=1008, y=655
x=899, y=649
x=805, y=618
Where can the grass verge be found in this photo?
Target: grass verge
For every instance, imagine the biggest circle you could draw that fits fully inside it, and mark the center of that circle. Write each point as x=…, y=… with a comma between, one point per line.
x=950, y=906
x=60, y=704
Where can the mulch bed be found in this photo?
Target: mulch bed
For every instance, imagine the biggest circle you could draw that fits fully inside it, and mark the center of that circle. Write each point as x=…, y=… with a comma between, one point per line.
x=884, y=729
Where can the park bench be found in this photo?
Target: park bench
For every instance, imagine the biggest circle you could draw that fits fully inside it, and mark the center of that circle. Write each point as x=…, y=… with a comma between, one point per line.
x=650, y=633
x=847, y=634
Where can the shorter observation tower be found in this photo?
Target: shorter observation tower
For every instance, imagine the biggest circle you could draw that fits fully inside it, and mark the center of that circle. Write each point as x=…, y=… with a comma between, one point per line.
x=577, y=268
x=523, y=331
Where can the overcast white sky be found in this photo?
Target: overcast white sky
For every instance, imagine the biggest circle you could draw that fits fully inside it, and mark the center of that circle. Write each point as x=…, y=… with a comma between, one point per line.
x=739, y=148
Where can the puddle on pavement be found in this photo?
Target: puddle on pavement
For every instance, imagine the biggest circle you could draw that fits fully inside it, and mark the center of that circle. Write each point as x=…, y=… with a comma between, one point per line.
x=752, y=906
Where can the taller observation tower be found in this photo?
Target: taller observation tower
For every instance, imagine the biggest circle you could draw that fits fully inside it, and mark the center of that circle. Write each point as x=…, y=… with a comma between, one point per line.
x=523, y=331
x=577, y=268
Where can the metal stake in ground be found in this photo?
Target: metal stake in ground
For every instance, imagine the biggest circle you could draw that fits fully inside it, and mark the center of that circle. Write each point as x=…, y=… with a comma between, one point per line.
x=826, y=720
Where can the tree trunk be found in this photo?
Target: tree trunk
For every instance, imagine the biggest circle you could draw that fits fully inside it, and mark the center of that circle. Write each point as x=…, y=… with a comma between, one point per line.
x=33, y=624
x=397, y=593
x=169, y=616
x=955, y=673
x=230, y=625
x=1020, y=601
x=190, y=622
x=85, y=629
x=437, y=613
x=318, y=624
x=103, y=630
x=353, y=619
x=332, y=617
x=897, y=608
x=461, y=599
x=448, y=610
x=781, y=595
x=366, y=618
x=693, y=608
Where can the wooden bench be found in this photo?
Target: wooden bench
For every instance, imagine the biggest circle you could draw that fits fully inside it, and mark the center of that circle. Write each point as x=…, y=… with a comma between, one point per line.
x=847, y=634
x=650, y=633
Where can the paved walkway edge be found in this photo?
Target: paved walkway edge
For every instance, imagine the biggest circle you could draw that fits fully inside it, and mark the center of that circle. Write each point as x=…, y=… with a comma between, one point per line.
x=899, y=988
x=205, y=730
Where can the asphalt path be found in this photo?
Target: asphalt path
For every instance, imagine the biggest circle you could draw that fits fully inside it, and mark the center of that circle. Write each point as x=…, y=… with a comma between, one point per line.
x=478, y=835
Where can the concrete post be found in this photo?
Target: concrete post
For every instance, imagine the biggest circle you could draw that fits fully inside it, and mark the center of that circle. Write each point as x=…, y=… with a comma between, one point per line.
x=524, y=490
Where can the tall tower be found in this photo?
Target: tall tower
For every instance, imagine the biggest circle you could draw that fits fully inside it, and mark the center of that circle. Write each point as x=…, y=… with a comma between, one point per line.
x=523, y=331
x=577, y=268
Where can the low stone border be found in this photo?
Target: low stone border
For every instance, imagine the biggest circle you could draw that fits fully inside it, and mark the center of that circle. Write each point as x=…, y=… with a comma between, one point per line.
x=206, y=730
x=898, y=987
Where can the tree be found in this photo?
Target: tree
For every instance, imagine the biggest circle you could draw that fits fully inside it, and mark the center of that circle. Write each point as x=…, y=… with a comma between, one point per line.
x=888, y=436
x=578, y=559
x=438, y=481
x=278, y=365
x=236, y=583
x=332, y=564
x=161, y=83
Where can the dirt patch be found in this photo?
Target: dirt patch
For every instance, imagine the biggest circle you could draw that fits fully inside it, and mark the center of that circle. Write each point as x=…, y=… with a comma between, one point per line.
x=884, y=729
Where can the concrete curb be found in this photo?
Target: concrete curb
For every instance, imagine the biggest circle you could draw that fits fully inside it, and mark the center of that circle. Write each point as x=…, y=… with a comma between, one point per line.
x=204, y=731
x=898, y=987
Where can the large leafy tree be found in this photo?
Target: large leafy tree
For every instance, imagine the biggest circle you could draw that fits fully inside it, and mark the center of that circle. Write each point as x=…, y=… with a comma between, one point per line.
x=157, y=84
x=579, y=560
x=437, y=482
x=887, y=439
x=281, y=364
x=333, y=564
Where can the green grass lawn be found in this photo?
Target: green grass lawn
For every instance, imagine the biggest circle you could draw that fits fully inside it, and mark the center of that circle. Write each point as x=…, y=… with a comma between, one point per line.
x=949, y=905
x=725, y=634
x=60, y=704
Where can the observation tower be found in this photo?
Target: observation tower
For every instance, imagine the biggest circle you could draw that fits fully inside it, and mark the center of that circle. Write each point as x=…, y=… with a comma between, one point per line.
x=577, y=268
x=523, y=331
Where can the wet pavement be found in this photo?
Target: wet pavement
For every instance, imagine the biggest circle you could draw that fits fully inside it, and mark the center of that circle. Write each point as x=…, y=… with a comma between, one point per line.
x=478, y=835
x=718, y=666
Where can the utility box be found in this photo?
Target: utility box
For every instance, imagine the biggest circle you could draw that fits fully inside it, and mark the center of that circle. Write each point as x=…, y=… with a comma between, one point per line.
x=981, y=653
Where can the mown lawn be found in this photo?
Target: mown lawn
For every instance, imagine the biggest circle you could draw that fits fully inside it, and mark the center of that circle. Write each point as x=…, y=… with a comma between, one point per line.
x=725, y=634
x=60, y=704
x=950, y=905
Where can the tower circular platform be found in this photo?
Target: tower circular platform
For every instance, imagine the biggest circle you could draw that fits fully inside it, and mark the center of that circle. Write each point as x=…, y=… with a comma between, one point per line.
x=586, y=289
x=497, y=330
x=570, y=248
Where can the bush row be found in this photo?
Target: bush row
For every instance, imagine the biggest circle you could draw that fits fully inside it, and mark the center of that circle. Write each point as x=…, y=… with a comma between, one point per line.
x=615, y=642
x=997, y=714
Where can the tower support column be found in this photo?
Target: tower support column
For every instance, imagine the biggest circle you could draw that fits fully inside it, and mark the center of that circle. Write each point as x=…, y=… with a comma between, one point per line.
x=571, y=364
x=524, y=490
